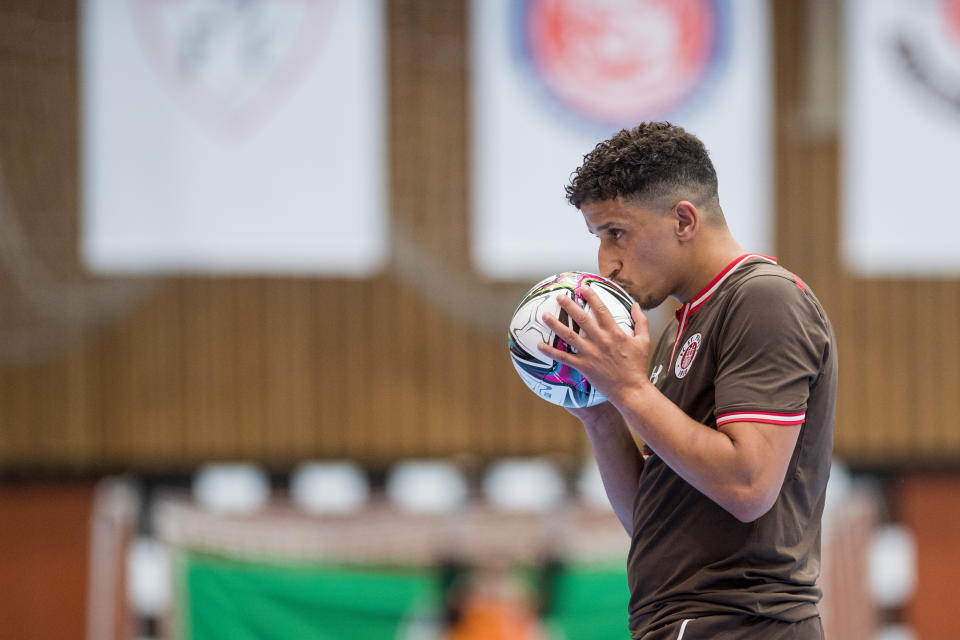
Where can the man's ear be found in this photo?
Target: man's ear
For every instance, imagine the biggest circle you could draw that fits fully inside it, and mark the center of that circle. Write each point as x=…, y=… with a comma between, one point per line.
x=686, y=220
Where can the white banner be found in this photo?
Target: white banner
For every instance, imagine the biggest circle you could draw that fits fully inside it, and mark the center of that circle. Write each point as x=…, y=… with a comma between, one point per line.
x=901, y=144
x=552, y=78
x=223, y=136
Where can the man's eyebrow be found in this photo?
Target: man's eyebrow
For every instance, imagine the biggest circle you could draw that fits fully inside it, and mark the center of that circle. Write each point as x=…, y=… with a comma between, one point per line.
x=606, y=225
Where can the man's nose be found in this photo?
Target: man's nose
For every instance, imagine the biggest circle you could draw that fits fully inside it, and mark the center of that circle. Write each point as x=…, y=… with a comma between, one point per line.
x=609, y=264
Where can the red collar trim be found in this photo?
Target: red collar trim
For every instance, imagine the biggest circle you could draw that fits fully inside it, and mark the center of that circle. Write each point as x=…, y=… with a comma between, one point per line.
x=704, y=295
x=688, y=308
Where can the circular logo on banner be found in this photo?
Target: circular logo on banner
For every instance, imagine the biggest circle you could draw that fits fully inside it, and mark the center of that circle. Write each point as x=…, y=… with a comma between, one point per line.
x=687, y=354
x=617, y=62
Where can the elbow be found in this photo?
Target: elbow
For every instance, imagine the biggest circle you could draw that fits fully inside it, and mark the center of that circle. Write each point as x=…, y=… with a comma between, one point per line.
x=748, y=513
x=749, y=506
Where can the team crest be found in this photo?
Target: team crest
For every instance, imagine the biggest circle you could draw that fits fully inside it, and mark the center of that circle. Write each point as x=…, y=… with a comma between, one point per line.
x=687, y=354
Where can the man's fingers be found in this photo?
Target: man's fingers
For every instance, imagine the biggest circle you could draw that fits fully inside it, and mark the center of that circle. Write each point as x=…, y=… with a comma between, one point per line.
x=578, y=314
x=639, y=319
x=564, y=332
x=600, y=311
x=566, y=357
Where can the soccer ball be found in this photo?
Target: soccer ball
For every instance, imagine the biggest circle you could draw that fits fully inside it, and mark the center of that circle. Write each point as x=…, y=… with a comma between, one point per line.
x=549, y=379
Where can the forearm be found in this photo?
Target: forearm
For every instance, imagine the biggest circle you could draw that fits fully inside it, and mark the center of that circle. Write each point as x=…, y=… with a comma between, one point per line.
x=619, y=461
x=735, y=474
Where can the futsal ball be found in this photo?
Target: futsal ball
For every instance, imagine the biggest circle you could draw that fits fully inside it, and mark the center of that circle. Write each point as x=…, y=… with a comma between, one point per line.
x=555, y=382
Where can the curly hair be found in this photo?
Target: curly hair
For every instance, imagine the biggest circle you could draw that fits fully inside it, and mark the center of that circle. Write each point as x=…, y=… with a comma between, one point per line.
x=649, y=161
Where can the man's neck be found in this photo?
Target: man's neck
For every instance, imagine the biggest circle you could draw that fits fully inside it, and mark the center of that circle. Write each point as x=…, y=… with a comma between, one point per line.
x=711, y=258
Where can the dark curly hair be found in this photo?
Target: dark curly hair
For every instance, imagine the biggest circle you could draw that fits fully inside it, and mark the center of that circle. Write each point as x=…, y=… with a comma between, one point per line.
x=652, y=160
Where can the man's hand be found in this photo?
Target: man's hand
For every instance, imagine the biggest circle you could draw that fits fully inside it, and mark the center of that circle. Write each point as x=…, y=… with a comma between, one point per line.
x=611, y=360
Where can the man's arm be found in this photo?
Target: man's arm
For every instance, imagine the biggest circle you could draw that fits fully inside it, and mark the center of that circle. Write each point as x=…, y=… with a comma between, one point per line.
x=618, y=457
x=741, y=466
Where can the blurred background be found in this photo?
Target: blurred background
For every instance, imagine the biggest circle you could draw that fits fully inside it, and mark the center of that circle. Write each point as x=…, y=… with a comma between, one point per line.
x=257, y=260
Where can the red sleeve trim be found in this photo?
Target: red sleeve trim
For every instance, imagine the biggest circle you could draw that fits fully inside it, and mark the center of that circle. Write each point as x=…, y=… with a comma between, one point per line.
x=783, y=419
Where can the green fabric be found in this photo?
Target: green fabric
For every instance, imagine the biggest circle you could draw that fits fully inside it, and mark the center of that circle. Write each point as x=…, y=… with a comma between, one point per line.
x=590, y=603
x=238, y=600
x=232, y=599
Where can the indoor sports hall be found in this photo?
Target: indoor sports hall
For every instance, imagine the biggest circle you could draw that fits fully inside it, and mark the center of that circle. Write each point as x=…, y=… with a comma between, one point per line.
x=258, y=260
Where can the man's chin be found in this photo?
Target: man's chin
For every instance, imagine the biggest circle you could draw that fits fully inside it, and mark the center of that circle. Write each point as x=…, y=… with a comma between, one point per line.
x=649, y=302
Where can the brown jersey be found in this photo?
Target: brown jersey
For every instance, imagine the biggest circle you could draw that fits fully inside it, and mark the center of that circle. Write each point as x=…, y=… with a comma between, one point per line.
x=754, y=346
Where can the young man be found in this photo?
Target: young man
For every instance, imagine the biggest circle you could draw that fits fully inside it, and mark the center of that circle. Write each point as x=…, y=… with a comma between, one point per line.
x=735, y=404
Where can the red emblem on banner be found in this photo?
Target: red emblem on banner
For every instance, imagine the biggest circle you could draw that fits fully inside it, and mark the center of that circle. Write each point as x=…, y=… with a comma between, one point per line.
x=623, y=62
x=231, y=64
x=950, y=10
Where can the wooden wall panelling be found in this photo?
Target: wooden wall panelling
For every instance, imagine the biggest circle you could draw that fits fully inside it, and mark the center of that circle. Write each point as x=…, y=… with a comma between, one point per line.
x=929, y=357
x=204, y=376
x=946, y=307
x=411, y=362
x=892, y=380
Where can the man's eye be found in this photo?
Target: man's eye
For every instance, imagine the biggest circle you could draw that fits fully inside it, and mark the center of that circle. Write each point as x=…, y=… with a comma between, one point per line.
x=616, y=233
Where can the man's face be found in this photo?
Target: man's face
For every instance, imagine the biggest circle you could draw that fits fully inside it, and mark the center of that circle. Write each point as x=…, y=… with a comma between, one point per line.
x=638, y=248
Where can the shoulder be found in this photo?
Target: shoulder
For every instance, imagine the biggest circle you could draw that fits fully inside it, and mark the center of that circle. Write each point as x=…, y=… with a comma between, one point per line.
x=768, y=287
x=770, y=278
x=772, y=299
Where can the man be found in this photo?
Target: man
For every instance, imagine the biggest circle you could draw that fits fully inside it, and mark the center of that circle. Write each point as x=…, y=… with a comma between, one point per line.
x=735, y=404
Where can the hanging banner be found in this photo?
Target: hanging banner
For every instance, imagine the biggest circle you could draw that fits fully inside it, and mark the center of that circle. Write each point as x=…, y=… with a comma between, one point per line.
x=901, y=137
x=552, y=78
x=223, y=136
